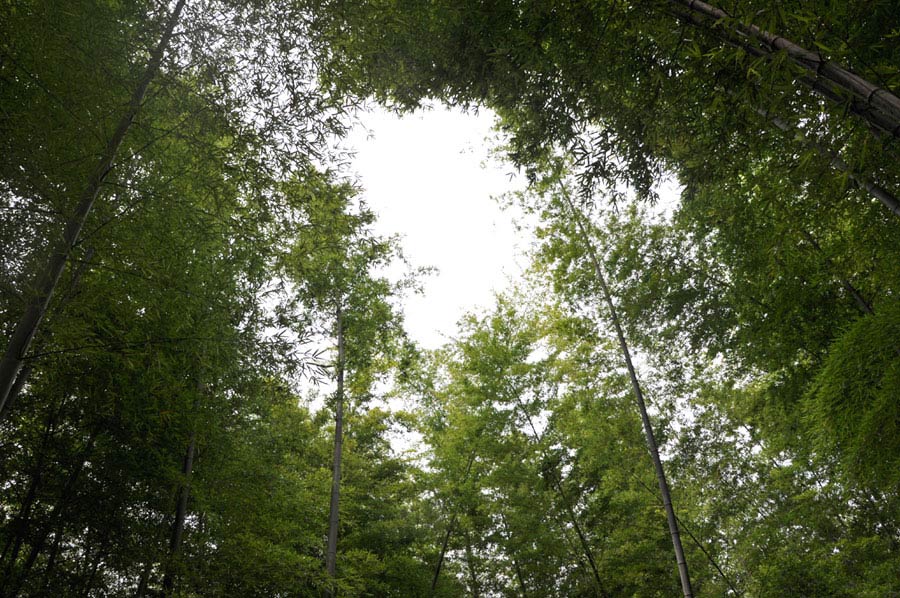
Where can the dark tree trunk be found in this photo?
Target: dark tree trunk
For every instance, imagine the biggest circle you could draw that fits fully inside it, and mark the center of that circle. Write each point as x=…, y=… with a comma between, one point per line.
x=573, y=518
x=520, y=577
x=92, y=576
x=516, y=567
x=450, y=529
x=57, y=515
x=23, y=374
x=887, y=199
x=99, y=555
x=47, y=280
x=184, y=493
x=440, y=562
x=144, y=580
x=861, y=302
x=475, y=585
x=20, y=523
x=52, y=559
x=14, y=391
x=582, y=538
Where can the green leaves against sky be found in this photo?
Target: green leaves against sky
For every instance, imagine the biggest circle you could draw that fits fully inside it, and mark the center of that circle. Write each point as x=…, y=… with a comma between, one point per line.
x=160, y=435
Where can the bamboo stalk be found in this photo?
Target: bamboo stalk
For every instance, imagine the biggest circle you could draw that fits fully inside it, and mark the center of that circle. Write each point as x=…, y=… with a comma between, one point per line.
x=184, y=492
x=334, y=512
x=880, y=100
x=48, y=279
x=642, y=406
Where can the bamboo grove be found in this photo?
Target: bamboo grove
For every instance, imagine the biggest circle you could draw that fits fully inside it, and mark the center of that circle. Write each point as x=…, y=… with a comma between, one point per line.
x=203, y=356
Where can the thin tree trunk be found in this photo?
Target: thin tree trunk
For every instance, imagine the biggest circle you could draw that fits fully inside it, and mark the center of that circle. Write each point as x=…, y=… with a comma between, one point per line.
x=19, y=526
x=23, y=374
x=639, y=395
x=95, y=563
x=582, y=538
x=519, y=576
x=21, y=521
x=56, y=514
x=334, y=515
x=711, y=560
x=52, y=559
x=696, y=542
x=861, y=302
x=144, y=580
x=591, y=578
x=446, y=543
x=14, y=391
x=883, y=107
x=47, y=280
x=440, y=562
x=180, y=513
x=95, y=567
x=470, y=562
x=573, y=518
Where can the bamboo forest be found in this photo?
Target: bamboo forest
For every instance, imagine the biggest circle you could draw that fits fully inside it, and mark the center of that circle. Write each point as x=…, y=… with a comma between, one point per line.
x=208, y=387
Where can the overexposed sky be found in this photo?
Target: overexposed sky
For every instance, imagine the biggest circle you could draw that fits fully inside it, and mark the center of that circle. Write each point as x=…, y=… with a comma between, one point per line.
x=430, y=179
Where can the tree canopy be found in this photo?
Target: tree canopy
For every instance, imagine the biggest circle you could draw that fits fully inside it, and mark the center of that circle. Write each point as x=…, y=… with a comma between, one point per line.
x=207, y=385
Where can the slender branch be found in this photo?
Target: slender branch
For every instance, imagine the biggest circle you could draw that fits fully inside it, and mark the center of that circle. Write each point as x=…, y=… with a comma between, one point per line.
x=861, y=302
x=184, y=492
x=573, y=518
x=25, y=371
x=697, y=542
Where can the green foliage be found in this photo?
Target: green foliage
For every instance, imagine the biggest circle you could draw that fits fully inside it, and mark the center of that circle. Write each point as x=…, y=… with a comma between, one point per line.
x=209, y=275
x=628, y=91
x=540, y=465
x=335, y=263
x=163, y=331
x=852, y=403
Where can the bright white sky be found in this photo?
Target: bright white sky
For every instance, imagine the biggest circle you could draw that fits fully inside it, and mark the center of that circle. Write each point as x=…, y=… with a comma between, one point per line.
x=429, y=178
